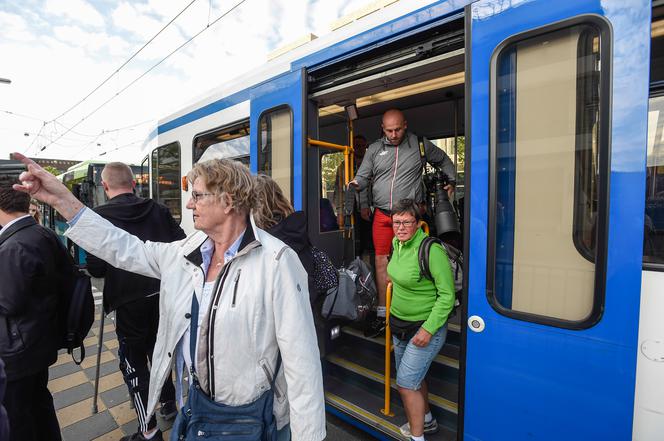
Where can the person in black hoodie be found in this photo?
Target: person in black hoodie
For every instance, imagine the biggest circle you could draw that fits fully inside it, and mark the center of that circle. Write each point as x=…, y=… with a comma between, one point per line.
x=33, y=269
x=274, y=214
x=135, y=298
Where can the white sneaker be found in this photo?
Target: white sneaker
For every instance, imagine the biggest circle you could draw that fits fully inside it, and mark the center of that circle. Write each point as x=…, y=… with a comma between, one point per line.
x=430, y=427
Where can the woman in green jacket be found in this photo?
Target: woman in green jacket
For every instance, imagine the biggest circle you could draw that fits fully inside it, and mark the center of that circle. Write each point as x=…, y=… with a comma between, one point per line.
x=418, y=315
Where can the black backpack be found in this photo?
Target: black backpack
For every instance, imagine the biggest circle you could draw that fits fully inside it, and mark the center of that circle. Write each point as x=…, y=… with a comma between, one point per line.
x=456, y=263
x=76, y=310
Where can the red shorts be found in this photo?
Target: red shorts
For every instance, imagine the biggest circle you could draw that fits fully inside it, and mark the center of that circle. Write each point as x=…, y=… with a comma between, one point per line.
x=382, y=233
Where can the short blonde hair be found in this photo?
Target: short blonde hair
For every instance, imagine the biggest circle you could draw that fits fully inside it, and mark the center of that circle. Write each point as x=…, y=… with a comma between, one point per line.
x=271, y=204
x=226, y=177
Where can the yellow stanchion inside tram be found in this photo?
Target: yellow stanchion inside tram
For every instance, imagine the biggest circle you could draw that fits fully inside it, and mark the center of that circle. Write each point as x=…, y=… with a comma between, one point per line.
x=388, y=349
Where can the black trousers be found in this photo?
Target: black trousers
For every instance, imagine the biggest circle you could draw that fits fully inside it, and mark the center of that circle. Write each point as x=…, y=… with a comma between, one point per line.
x=136, y=326
x=29, y=405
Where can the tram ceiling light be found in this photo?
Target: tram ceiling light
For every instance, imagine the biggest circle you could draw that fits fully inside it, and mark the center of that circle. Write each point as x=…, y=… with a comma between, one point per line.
x=401, y=92
x=351, y=111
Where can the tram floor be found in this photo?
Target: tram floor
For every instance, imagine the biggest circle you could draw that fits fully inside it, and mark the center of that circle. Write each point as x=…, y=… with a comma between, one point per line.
x=72, y=387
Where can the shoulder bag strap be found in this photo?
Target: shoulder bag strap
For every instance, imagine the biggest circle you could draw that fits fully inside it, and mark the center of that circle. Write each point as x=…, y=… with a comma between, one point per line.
x=193, y=331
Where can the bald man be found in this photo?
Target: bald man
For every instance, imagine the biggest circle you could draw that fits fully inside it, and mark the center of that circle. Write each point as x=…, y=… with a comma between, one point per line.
x=393, y=167
x=134, y=298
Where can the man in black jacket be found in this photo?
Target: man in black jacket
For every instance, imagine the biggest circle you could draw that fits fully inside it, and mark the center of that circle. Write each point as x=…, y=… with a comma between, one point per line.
x=33, y=271
x=135, y=298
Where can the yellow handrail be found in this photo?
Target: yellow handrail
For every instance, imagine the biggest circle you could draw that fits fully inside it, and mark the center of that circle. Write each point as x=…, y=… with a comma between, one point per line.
x=388, y=349
x=424, y=226
x=348, y=158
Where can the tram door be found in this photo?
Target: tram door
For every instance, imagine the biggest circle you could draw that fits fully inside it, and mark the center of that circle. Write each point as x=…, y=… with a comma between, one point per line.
x=276, y=132
x=558, y=107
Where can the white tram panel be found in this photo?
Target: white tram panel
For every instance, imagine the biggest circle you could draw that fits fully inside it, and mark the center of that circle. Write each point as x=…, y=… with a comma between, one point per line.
x=649, y=397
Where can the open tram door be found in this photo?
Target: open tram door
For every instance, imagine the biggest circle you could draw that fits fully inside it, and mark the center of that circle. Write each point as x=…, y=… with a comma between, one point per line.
x=277, y=132
x=557, y=116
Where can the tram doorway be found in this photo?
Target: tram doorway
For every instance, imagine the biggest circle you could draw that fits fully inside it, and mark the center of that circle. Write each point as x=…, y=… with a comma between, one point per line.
x=425, y=79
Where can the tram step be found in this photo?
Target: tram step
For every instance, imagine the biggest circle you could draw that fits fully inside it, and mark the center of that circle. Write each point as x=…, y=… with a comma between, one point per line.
x=366, y=372
x=448, y=356
x=344, y=399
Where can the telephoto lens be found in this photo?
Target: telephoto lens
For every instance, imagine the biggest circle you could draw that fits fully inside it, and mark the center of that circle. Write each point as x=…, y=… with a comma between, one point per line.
x=445, y=218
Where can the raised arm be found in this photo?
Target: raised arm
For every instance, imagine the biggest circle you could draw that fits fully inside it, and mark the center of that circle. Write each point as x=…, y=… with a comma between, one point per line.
x=46, y=188
x=90, y=231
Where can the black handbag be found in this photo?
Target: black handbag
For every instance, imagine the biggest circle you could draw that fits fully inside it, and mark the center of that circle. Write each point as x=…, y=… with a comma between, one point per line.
x=404, y=330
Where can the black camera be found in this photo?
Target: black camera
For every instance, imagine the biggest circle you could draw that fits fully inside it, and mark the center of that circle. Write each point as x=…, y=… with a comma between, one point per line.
x=445, y=220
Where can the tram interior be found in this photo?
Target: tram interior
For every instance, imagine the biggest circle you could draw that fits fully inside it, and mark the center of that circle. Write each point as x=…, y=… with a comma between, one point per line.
x=426, y=81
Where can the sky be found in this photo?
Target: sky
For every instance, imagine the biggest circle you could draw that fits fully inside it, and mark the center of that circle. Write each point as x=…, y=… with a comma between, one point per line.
x=57, y=52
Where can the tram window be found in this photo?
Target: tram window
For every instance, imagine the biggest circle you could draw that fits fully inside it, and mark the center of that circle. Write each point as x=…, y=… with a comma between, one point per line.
x=331, y=191
x=229, y=142
x=166, y=178
x=546, y=172
x=143, y=178
x=276, y=146
x=653, y=234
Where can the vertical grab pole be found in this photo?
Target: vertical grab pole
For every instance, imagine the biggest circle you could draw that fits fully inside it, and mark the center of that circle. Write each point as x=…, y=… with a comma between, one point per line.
x=388, y=349
x=99, y=343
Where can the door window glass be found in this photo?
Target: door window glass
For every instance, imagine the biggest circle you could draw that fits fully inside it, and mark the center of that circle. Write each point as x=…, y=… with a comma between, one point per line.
x=546, y=171
x=331, y=190
x=275, y=148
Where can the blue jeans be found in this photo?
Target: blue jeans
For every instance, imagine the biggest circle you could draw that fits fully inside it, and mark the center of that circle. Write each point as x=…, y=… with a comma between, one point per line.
x=412, y=362
x=284, y=434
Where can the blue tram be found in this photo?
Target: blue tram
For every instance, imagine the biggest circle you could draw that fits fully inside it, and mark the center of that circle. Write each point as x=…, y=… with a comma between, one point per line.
x=551, y=112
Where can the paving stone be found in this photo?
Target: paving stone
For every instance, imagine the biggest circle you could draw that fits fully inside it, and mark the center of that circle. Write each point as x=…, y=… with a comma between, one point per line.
x=62, y=370
x=67, y=381
x=104, y=369
x=77, y=412
x=72, y=395
x=130, y=427
x=123, y=413
x=90, y=428
x=110, y=344
x=110, y=381
x=114, y=435
x=92, y=360
x=115, y=396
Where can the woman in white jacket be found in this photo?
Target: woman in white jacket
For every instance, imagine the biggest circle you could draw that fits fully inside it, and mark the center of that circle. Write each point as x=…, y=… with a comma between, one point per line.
x=250, y=288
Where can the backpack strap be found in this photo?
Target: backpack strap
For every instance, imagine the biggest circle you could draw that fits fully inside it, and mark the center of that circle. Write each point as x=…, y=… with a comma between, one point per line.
x=423, y=256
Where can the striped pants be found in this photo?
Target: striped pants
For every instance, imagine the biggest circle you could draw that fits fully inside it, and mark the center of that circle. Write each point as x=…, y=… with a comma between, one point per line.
x=136, y=328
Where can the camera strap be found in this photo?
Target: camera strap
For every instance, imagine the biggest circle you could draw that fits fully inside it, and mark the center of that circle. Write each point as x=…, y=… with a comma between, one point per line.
x=423, y=153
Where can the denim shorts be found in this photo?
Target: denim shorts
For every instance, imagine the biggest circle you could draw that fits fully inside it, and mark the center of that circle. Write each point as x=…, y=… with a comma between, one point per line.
x=412, y=362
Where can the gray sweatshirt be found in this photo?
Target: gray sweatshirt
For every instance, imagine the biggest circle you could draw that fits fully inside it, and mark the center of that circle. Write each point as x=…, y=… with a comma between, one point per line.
x=396, y=171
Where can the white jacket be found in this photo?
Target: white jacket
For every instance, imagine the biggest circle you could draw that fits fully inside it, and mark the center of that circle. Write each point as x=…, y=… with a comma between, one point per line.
x=263, y=308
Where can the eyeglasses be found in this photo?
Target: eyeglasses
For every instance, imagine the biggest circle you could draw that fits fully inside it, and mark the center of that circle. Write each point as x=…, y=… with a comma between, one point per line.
x=407, y=224
x=196, y=196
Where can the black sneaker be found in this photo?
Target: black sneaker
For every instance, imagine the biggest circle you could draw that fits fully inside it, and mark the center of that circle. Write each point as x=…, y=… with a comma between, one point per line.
x=168, y=411
x=138, y=436
x=376, y=328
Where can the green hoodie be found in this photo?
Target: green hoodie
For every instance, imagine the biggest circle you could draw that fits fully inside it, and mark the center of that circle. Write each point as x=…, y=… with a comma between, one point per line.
x=414, y=300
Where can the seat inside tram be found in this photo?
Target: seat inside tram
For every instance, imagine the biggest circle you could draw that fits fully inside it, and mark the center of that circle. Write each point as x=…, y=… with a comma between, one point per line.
x=425, y=80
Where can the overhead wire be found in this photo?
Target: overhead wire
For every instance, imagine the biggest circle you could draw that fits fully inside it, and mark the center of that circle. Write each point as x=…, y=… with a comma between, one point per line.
x=125, y=63
x=147, y=71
